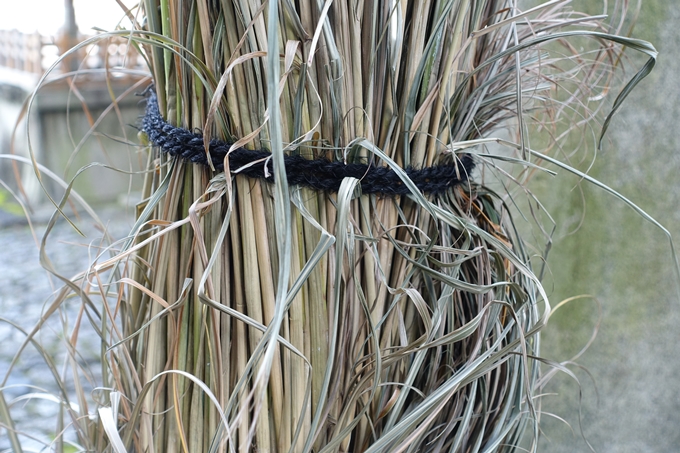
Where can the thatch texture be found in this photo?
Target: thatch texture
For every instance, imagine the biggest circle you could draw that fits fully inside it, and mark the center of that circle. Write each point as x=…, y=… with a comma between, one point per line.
x=251, y=316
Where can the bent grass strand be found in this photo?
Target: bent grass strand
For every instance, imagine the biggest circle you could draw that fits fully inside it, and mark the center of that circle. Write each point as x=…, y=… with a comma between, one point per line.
x=241, y=316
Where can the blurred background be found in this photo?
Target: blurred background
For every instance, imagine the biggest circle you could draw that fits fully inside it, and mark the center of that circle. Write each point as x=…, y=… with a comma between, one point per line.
x=84, y=111
x=629, y=393
x=623, y=394
x=82, y=116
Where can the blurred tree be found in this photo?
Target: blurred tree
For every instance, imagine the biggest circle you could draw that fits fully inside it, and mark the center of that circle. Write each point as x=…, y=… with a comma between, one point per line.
x=68, y=36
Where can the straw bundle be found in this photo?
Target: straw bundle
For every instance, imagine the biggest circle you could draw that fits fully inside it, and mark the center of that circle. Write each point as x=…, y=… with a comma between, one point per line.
x=258, y=316
x=321, y=321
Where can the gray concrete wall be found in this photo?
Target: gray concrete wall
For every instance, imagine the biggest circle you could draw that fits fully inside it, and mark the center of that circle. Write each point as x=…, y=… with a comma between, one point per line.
x=69, y=134
x=15, y=86
x=631, y=390
x=102, y=139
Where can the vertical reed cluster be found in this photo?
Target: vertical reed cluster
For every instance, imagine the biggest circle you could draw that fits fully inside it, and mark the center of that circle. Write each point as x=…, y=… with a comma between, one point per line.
x=252, y=316
x=404, y=322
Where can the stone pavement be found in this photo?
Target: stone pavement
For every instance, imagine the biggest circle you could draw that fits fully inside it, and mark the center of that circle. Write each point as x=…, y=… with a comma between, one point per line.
x=26, y=290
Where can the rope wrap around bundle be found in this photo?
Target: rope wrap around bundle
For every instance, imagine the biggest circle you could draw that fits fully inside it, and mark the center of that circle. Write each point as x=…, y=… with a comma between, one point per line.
x=320, y=174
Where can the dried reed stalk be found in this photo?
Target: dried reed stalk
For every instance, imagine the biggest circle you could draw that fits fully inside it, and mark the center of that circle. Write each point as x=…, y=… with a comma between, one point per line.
x=333, y=322
x=260, y=317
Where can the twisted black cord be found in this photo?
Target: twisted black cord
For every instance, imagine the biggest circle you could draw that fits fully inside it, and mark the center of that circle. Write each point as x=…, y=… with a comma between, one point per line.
x=320, y=174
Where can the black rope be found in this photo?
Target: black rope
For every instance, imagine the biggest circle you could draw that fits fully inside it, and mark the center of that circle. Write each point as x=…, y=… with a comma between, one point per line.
x=320, y=174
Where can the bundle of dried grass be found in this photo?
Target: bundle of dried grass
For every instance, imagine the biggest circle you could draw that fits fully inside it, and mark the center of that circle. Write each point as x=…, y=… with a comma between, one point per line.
x=252, y=316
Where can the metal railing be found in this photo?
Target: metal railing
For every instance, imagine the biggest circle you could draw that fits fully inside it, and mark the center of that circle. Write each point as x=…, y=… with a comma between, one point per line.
x=34, y=53
x=21, y=51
